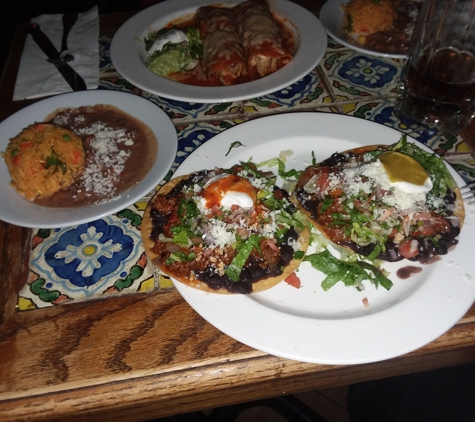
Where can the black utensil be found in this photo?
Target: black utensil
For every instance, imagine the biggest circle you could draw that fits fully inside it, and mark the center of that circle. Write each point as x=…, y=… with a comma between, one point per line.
x=72, y=78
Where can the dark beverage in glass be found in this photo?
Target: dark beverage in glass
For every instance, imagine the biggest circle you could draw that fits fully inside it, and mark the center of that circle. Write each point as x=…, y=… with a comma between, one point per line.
x=437, y=86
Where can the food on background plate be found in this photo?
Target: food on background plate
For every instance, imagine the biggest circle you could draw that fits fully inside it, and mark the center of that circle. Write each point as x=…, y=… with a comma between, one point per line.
x=81, y=156
x=225, y=230
x=364, y=17
x=261, y=38
x=383, y=26
x=384, y=202
x=43, y=159
x=223, y=56
x=221, y=46
x=120, y=151
x=174, y=51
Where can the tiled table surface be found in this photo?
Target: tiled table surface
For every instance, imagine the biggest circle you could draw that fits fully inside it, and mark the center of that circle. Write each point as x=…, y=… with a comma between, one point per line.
x=106, y=257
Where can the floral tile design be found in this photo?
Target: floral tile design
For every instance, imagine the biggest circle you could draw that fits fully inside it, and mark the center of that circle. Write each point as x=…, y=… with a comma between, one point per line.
x=103, y=257
x=335, y=45
x=303, y=94
x=353, y=75
x=178, y=111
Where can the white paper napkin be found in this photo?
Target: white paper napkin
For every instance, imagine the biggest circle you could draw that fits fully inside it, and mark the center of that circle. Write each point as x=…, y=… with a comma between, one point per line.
x=38, y=78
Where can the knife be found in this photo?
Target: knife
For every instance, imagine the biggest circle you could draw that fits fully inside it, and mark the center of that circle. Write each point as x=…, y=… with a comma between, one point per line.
x=72, y=78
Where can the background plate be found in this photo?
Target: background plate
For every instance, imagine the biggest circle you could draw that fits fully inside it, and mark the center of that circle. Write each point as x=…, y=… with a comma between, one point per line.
x=128, y=52
x=333, y=327
x=17, y=210
x=331, y=17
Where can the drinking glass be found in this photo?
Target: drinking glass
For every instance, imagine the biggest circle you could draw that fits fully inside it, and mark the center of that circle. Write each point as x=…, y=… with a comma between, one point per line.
x=437, y=86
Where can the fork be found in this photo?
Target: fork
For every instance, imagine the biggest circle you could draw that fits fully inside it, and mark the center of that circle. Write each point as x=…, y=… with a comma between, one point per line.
x=69, y=19
x=468, y=192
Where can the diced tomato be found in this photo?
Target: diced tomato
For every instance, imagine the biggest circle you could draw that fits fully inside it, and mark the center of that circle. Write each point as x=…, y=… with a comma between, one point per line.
x=40, y=126
x=430, y=223
x=425, y=230
x=26, y=144
x=365, y=302
x=307, y=175
x=408, y=248
x=16, y=159
x=293, y=280
x=421, y=216
x=216, y=210
x=76, y=156
x=336, y=192
x=337, y=234
x=235, y=207
x=322, y=181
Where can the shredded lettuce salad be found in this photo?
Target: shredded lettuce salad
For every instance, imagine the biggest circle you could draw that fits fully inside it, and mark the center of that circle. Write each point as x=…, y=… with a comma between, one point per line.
x=174, y=57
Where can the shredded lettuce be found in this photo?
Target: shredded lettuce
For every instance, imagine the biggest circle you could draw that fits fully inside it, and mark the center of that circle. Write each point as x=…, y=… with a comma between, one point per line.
x=350, y=273
x=244, y=250
x=175, y=57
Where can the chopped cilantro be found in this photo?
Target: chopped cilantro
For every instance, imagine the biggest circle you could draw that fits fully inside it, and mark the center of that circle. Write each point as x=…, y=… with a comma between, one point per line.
x=235, y=144
x=326, y=203
x=348, y=28
x=54, y=161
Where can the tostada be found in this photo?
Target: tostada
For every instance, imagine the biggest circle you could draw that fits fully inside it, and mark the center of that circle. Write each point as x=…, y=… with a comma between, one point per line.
x=225, y=230
x=384, y=202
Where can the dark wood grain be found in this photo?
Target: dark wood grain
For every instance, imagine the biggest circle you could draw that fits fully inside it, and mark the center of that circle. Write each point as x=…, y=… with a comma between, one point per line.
x=150, y=355
x=14, y=243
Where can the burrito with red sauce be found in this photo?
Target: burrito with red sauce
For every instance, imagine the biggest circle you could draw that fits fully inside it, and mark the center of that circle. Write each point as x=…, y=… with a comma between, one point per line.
x=222, y=53
x=260, y=37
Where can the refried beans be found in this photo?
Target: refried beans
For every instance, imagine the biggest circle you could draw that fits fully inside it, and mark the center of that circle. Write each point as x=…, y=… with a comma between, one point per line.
x=120, y=151
x=396, y=40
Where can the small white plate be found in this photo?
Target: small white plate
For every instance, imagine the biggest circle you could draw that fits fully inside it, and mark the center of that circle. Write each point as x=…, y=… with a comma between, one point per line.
x=333, y=327
x=331, y=16
x=17, y=210
x=128, y=52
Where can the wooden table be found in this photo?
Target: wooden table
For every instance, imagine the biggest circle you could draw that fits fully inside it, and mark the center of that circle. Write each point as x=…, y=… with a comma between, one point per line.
x=61, y=363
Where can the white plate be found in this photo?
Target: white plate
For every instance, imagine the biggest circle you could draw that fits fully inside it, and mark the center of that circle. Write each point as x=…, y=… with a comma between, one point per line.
x=332, y=327
x=331, y=16
x=128, y=52
x=16, y=210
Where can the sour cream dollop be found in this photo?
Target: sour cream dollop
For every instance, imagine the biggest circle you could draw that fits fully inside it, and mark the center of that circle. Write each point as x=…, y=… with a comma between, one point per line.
x=226, y=190
x=405, y=172
x=174, y=36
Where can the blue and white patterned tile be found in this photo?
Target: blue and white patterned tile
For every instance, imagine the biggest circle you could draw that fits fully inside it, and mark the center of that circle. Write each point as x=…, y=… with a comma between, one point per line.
x=88, y=261
x=335, y=45
x=306, y=93
x=352, y=75
x=191, y=136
